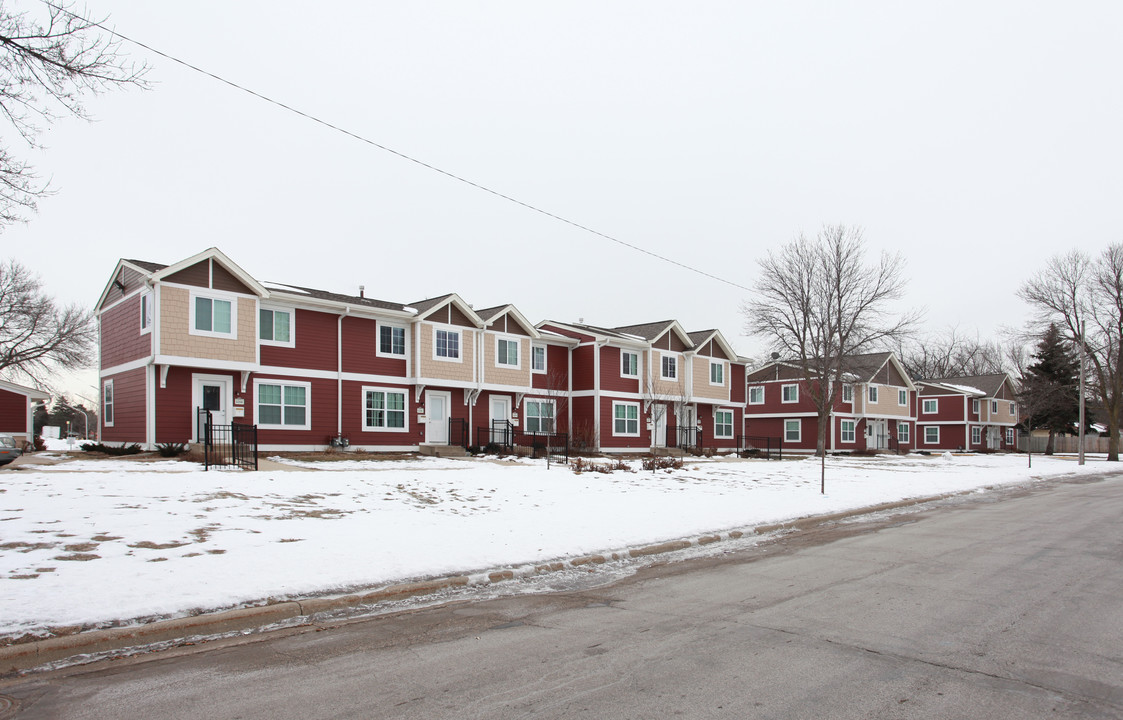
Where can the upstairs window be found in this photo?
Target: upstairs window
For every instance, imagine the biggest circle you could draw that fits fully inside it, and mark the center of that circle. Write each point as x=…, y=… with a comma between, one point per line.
x=1013, y=409
x=214, y=317
x=756, y=395
x=447, y=345
x=717, y=373
x=146, y=312
x=873, y=393
x=275, y=327
x=975, y=406
x=670, y=367
x=629, y=364
x=902, y=397
x=929, y=406
x=391, y=340
x=537, y=359
x=507, y=352
x=847, y=393
x=993, y=406
x=789, y=393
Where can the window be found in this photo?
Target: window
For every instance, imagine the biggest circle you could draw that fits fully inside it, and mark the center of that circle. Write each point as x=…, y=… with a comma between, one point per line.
x=670, y=367
x=791, y=430
x=756, y=395
x=848, y=434
x=629, y=364
x=723, y=424
x=275, y=327
x=976, y=435
x=932, y=434
x=789, y=393
x=975, y=406
x=107, y=404
x=717, y=373
x=447, y=346
x=507, y=352
x=391, y=340
x=929, y=406
x=1009, y=436
x=625, y=419
x=902, y=397
x=873, y=393
x=282, y=406
x=903, y=433
x=993, y=406
x=146, y=313
x=213, y=317
x=540, y=416
x=537, y=359
x=1013, y=410
x=384, y=409
x=847, y=393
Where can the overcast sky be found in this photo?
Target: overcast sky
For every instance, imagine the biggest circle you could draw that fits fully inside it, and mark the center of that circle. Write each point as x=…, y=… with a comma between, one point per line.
x=977, y=138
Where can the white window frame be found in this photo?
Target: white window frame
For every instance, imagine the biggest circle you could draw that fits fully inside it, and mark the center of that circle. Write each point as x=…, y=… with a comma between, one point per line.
x=635, y=364
x=386, y=391
x=535, y=351
x=513, y=340
x=291, y=342
x=975, y=405
x=1009, y=436
x=847, y=393
x=798, y=430
x=553, y=415
x=626, y=419
x=762, y=394
x=723, y=411
x=459, y=344
x=902, y=397
x=663, y=364
x=903, y=432
x=976, y=435
x=784, y=393
x=379, y=352
x=993, y=407
x=871, y=393
x=924, y=406
x=213, y=295
x=257, y=383
x=935, y=441
x=853, y=431
x=108, y=404
x=1013, y=410
x=720, y=367
x=146, y=312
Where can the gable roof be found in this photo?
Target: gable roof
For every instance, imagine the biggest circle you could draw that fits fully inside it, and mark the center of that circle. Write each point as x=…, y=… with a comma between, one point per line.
x=490, y=315
x=654, y=330
x=855, y=368
x=425, y=308
x=31, y=393
x=987, y=384
x=601, y=334
x=300, y=292
x=216, y=255
x=701, y=337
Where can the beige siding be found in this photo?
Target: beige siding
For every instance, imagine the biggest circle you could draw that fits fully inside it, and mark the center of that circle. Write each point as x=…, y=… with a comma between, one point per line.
x=668, y=388
x=430, y=367
x=702, y=386
x=176, y=338
x=1002, y=416
x=886, y=405
x=502, y=375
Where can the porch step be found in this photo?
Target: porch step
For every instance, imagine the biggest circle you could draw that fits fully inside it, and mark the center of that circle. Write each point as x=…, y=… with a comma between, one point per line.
x=443, y=451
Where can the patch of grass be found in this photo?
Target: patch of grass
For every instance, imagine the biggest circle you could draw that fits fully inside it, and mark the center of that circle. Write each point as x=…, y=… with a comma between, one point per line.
x=222, y=495
x=44, y=570
x=148, y=545
x=105, y=538
x=159, y=559
x=216, y=552
x=287, y=540
x=77, y=557
x=81, y=547
x=26, y=546
x=30, y=576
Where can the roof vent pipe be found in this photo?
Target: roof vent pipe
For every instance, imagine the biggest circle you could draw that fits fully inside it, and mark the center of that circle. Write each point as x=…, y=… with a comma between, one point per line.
x=362, y=291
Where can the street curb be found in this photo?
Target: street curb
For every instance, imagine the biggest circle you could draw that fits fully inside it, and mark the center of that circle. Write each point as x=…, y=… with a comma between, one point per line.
x=29, y=655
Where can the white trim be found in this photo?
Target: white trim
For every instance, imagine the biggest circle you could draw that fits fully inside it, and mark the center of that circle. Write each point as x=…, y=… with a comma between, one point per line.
x=545, y=359
x=853, y=431
x=721, y=366
x=665, y=355
x=762, y=394
x=206, y=363
x=197, y=379
x=124, y=367
x=212, y=295
x=848, y=387
x=540, y=401
x=931, y=427
x=772, y=416
x=282, y=383
x=732, y=422
x=976, y=434
x=147, y=319
x=108, y=400
x=908, y=433
x=993, y=407
x=405, y=328
x=404, y=392
x=277, y=447
x=1010, y=437
x=634, y=355
x=639, y=415
x=518, y=352
x=902, y=392
x=924, y=406
x=799, y=429
x=793, y=400
x=872, y=393
x=291, y=342
x=459, y=332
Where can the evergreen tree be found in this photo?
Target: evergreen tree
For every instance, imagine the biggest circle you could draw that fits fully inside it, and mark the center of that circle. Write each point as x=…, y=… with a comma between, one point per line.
x=1051, y=387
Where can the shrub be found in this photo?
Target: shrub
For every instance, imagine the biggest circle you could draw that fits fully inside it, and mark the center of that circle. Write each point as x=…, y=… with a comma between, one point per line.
x=111, y=449
x=38, y=443
x=664, y=462
x=171, y=449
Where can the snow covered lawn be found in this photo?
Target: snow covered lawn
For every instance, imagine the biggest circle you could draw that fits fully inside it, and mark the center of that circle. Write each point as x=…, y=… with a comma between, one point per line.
x=91, y=541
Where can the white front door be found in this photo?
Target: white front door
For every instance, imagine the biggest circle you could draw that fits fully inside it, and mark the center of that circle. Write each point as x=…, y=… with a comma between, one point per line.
x=436, y=417
x=877, y=434
x=994, y=438
x=213, y=393
x=500, y=416
x=687, y=418
x=660, y=412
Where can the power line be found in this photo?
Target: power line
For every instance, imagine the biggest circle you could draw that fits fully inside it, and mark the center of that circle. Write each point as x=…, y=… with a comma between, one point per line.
x=400, y=154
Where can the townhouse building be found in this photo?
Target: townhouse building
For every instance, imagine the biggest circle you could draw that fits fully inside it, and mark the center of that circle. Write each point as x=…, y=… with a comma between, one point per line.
x=17, y=410
x=975, y=412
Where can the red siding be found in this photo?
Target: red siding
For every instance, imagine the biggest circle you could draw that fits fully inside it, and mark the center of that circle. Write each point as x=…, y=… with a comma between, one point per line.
x=737, y=378
x=583, y=427
x=13, y=412
x=608, y=440
x=322, y=413
x=129, y=407
x=315, y=346
x=556, y=376
x=952, y=437
x=949, y=407
x=360, y=350
x=354, y=408
x=709, y=437
x=583, y=367
x=610, y=378
x=121, y=341
x=773, y=403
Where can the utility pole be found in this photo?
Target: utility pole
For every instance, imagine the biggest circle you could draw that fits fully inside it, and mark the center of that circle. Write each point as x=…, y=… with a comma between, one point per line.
x=1081, y=430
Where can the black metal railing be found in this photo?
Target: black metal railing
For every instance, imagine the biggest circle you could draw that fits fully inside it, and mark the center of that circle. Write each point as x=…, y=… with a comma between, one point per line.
x=688, y=439
x=499, y=432
x=234, y=444
x=552, y=444
x=769, y=447
x=458, y=432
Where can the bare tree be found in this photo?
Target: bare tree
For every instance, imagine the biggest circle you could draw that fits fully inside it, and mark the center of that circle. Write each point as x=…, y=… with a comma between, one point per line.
x=45, y=70
x=1079, y=292
x=954, y=354
x=36, y=335
x=819, y=301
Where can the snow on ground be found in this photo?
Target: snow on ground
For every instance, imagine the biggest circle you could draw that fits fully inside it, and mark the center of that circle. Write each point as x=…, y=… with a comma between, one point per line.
x=91, y=541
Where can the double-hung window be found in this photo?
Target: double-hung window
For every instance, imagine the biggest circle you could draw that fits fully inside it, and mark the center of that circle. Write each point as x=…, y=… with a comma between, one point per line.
x=902, y=397
x=756, y=395
x=993, y=407
x=625, y=419
x=538, y=358
x=976, y=435
x=669, y=367
x=1009, y=436
x=507, y=352
x=107, y=405
x=539, y=416
x=903, y=432
x=929, y=406
x=447, y=345
x=848, y=434
x=282, y=406
x=275, y=327
x=723, y=424
x=391, y=340
x=931, y=434
x=789, y=393
x=847, y=393
x=214, y=316
x=1013, y=410
x=146, y=312
x=629, y=364
x=791, y=431
x=717, y=373
x=384, y=409
x=873, y=393
x=975, y=406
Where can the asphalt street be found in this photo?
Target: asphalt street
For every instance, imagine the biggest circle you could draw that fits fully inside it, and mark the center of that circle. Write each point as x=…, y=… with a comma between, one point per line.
x=1003, y=606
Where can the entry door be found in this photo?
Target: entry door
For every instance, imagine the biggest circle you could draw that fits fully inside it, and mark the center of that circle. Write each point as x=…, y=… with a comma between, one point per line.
x=500, y=416
x=686, y=416
x=436, y=414
x=877, y=439
x=660, y=412
x=994, y=438
x=214, y=393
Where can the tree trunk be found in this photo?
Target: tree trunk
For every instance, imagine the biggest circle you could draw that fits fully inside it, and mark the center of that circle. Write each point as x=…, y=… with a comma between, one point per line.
x=1112, y=440
x=821, y=442
x=1050, y=443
